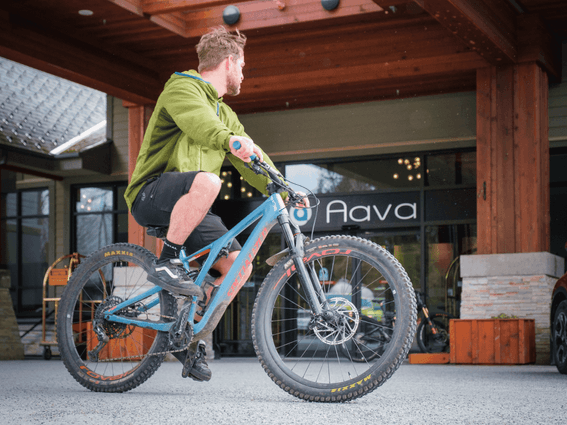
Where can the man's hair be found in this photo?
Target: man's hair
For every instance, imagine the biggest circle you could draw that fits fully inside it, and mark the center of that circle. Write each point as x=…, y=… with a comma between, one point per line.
x=217, y=45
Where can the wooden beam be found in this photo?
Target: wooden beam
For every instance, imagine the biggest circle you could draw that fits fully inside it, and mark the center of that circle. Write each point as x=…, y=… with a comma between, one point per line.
x=136, y=128
x=537, y=44
x=531, y=141
x=159, y=7
x=138, y=118
x=60, y=55
x=488, y=29
x=264, y=14
x=173, y=21
x=512, y=160
x=29, y=171
x=368, y=73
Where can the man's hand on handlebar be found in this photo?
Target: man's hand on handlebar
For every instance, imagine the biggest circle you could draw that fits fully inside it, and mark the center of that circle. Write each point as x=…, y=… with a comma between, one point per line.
x=246, y=150
x=304, y=203
x=297, y=199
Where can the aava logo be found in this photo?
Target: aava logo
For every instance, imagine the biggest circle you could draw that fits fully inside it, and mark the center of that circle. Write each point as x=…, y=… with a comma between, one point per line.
x=299, y=216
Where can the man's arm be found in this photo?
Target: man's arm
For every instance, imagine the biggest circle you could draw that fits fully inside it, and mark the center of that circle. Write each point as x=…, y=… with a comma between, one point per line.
x=189, y=107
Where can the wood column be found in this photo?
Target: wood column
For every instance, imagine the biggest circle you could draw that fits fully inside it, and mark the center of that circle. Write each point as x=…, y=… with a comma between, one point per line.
x=512, y=159
x=138, y=118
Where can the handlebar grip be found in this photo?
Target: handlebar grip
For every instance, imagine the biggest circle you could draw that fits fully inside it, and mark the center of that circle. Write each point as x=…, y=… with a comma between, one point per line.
x=236, y=145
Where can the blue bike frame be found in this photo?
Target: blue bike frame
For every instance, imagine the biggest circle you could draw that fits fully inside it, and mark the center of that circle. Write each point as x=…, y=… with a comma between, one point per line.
x=267, y=214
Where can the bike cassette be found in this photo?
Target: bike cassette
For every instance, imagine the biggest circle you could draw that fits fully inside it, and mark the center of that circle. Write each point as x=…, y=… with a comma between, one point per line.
x=338, y=323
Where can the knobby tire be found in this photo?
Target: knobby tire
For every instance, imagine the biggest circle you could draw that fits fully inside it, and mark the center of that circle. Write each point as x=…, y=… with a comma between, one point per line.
x=101, y=280
x=288, y=348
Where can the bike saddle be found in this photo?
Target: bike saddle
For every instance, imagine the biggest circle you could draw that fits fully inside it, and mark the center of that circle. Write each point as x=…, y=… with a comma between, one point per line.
x=157, y=231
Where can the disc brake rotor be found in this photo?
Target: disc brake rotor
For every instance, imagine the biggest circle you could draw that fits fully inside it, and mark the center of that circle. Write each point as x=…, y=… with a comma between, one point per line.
x=340, y=322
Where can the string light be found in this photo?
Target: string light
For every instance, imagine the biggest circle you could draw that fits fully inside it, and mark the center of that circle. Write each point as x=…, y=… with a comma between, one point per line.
x=409, y=165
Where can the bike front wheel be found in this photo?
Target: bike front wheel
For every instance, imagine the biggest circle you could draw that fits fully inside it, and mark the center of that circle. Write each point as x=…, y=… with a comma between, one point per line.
x=434, y=339
x=319, y=357
x=103, y=280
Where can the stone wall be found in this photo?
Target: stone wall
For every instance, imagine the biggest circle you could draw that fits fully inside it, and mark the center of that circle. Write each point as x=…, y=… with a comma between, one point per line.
x=11, y=347
x=512, y=284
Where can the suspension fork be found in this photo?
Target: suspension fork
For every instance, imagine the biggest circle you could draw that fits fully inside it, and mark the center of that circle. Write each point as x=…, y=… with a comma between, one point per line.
x=308, y=279
x=429, y=321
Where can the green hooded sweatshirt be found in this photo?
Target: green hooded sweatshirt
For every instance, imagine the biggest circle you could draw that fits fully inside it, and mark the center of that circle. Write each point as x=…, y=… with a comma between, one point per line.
x=189, y=131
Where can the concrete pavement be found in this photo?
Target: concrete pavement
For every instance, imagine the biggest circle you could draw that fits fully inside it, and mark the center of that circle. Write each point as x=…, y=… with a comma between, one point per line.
x=43, y=392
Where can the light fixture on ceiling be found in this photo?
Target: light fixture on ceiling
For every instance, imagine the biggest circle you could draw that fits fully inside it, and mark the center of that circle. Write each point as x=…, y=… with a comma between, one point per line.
x=86, y=12
x=231, y=15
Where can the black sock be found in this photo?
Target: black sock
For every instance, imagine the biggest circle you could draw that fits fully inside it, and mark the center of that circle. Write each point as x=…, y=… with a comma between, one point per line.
x=169, y=251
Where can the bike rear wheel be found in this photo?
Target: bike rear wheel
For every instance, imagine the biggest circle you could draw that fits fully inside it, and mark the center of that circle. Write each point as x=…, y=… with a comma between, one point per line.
x=434, y=342
x=308, y=356
x=106, y=278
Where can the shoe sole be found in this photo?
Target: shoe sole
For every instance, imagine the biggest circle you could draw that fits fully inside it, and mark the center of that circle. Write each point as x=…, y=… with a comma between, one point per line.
x=175, y=290
x=200, y=378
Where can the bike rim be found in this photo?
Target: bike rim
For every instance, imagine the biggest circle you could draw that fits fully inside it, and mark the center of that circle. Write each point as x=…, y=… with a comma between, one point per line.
x=560, y=336
x=101, y=288
x=308, y=358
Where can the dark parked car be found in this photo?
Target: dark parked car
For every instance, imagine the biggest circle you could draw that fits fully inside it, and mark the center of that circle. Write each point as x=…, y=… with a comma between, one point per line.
x=559, y=324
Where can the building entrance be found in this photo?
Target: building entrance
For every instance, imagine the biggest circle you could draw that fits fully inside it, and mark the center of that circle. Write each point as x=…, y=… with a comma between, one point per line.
x=421, y=208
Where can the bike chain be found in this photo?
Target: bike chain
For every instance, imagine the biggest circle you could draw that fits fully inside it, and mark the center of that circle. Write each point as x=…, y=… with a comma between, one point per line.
x=143, y=356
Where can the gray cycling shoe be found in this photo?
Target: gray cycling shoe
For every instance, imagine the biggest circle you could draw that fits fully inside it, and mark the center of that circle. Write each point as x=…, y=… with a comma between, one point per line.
x=174, y=278
x=195, y=365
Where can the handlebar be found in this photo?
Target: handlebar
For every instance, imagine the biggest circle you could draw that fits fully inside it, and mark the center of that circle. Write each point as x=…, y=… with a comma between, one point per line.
x=236, y=145
x=278, y=185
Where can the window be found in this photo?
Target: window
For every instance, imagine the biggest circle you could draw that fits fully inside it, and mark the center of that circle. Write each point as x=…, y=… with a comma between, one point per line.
x=235, y=187
x=358, y=176
x=451, y=169
x=100, y=217
x=25, y=246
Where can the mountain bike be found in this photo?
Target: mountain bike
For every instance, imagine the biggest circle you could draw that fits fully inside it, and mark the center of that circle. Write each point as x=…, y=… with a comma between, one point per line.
x=433, y=330
x=115, y=328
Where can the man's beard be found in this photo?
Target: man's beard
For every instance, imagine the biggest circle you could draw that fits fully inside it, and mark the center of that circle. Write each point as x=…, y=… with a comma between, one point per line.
x=232, y=85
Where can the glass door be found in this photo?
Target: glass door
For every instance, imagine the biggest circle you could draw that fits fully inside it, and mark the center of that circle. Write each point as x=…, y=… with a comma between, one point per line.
x=405, y=245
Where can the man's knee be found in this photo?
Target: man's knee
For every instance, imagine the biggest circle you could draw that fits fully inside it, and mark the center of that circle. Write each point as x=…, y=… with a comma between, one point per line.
x=208, y=181
x=224, y=264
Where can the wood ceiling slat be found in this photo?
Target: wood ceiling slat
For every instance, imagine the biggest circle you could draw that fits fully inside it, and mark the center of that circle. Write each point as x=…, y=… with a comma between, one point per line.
x=472, y=22
x=261, y=14
x=156, y=7
x=371, y=73
x=337, y=94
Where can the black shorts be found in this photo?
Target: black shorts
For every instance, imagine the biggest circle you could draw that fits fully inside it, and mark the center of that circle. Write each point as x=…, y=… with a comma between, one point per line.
x=156, y=199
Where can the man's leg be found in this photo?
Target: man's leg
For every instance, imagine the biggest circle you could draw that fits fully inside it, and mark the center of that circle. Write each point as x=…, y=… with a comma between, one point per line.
x=187, y=213
x=191, y=208
x=195, y=363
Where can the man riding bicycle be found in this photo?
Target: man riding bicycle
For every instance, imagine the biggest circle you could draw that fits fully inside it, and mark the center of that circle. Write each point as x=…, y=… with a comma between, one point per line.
x=176, y=178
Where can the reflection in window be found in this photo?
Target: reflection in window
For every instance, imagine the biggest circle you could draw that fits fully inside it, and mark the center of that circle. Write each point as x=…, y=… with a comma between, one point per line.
x=24, y=233
x=359, y=176
x=451, y=169
x=100, y=217
x=444, y=245
x=235, y=187
x=407, y=250
x=92, y=199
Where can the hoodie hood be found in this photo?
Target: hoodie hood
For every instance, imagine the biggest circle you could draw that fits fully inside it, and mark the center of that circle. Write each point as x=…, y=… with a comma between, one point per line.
x=194, y=75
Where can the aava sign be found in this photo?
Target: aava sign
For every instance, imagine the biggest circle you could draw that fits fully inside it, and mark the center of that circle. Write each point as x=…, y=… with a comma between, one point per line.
x=365, y=211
